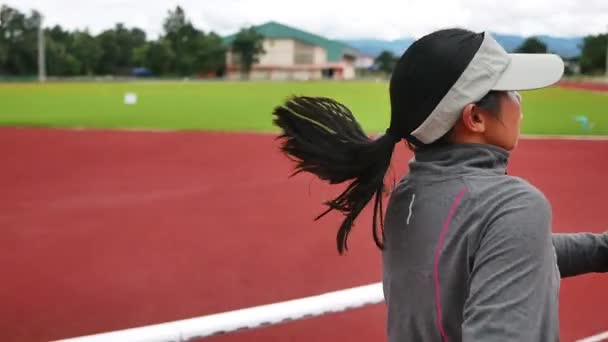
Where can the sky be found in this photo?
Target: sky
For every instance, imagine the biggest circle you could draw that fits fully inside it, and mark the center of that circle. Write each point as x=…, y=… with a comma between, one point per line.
x=338, y=19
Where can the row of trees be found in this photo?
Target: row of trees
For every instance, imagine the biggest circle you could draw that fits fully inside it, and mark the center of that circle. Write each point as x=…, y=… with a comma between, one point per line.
x=181, y=49
x=592, y=59
x=593, y=52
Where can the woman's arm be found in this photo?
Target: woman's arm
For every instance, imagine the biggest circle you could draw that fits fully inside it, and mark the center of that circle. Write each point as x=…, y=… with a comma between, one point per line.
x=580, y=253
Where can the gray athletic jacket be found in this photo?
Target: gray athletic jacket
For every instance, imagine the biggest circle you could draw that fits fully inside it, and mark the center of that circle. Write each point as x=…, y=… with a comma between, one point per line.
x=469, y=254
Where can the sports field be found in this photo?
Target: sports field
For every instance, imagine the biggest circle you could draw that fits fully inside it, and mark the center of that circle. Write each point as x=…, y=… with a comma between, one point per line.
x=111, y=229
x=243, y=106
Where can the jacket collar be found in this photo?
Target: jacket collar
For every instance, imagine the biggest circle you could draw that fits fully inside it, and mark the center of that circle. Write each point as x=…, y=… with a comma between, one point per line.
x=460, y=159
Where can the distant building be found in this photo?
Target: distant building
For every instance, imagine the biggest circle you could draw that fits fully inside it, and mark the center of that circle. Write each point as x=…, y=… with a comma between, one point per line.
x=294, y=54
x=364, y=62
x=572, y=66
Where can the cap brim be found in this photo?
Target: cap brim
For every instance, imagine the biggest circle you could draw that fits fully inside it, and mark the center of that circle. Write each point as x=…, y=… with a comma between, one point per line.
x=527, y=71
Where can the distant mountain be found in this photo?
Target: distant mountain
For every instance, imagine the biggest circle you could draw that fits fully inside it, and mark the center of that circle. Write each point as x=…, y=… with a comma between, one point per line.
x=565, y=47
x=509, y=42
x=373, y=47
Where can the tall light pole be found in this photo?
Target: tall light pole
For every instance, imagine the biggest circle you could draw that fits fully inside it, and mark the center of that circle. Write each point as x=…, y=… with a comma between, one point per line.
x=606, y=52
x=41, y=53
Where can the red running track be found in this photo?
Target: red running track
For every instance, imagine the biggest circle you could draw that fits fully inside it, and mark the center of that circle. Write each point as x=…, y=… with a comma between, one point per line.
x=586, y=85
x=110, y=230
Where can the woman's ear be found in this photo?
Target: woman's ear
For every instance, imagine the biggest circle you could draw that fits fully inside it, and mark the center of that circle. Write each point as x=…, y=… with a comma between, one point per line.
x=473, y=119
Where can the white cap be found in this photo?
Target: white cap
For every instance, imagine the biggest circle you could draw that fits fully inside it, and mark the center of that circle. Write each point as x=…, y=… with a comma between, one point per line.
x=491, y=68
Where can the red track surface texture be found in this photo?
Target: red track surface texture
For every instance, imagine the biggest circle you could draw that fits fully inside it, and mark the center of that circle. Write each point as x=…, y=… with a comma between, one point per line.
x=111, y=230
x=593, y=86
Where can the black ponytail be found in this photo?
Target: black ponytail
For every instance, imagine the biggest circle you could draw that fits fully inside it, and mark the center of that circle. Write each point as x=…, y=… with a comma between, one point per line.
x=323, y=137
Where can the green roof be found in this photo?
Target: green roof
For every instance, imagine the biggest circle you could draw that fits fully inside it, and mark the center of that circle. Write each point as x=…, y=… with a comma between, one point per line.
x=273, y=30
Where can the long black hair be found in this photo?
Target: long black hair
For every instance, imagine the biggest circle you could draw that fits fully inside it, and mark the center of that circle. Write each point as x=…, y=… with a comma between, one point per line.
x=323, y=137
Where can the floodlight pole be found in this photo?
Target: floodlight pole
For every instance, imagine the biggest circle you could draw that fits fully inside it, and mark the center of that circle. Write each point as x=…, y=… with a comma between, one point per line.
x=41, y=52
x=606, y=52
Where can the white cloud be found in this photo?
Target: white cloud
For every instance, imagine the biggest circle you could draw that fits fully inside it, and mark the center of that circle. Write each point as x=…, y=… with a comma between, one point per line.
x=387, y=19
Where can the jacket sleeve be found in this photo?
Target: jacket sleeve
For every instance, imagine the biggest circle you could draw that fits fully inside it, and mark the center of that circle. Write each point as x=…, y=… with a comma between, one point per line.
x=513, y=282
x=581, y=253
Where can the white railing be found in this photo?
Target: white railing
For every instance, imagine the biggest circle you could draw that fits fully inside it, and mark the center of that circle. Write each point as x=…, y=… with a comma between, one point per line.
x=205, y=326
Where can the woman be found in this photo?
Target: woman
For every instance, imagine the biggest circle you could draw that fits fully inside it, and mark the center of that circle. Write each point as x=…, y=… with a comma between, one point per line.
x=468, y=253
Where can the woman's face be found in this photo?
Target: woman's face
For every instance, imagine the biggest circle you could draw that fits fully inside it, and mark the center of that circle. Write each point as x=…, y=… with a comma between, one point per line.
x=503, y=130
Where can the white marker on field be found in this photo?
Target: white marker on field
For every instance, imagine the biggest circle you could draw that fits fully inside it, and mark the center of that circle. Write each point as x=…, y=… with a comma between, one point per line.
x=130, y=98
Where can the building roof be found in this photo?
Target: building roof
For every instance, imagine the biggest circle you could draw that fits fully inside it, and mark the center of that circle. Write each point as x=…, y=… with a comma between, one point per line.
x=273, y=30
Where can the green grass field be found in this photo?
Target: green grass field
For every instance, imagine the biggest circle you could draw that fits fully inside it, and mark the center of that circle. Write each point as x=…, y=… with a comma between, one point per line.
x=247, y=106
